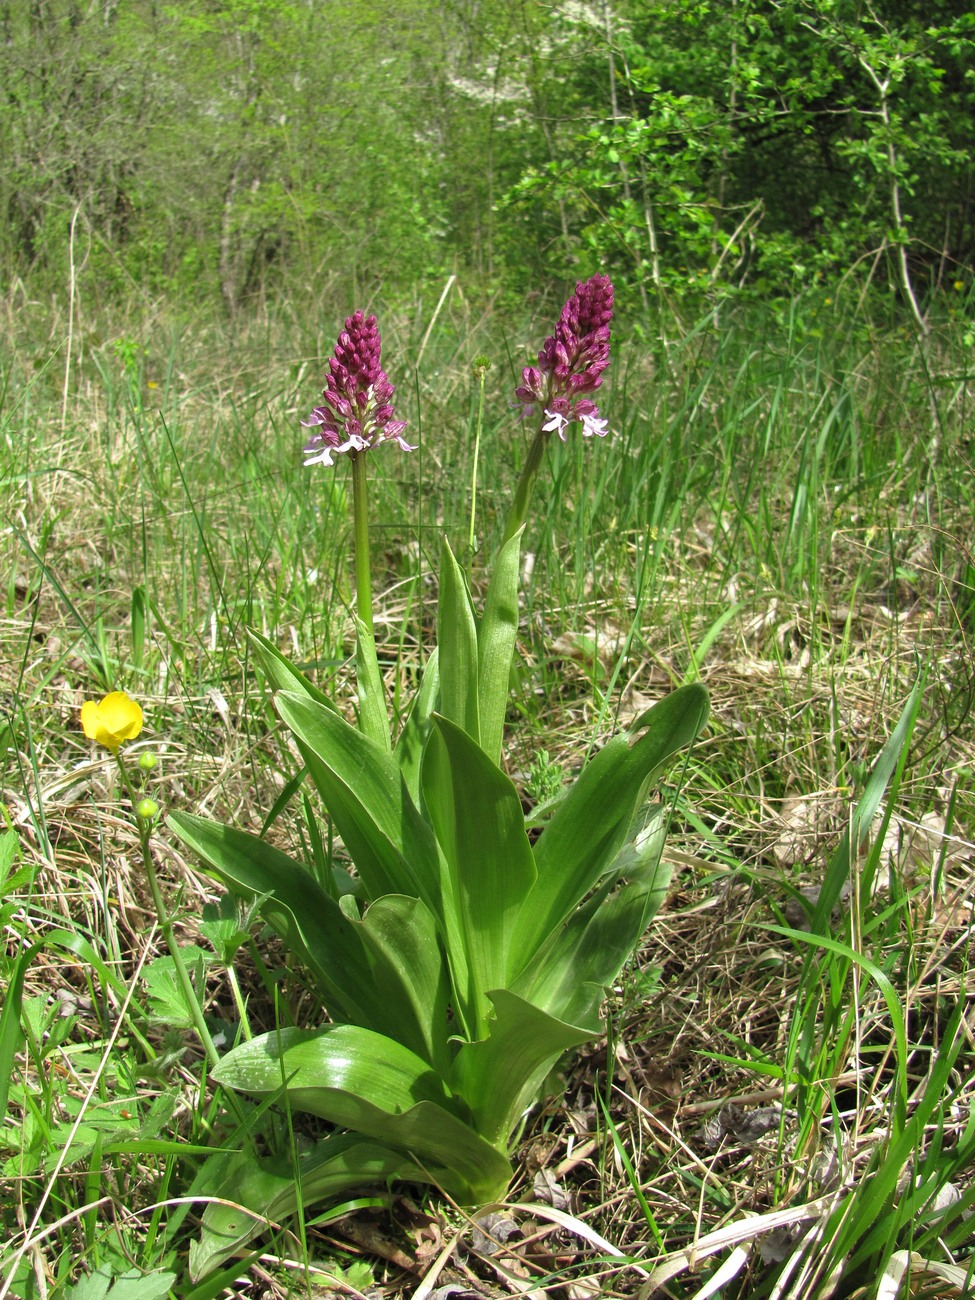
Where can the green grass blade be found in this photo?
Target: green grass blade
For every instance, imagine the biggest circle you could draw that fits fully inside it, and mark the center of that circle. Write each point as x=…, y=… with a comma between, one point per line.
x=11, y=1033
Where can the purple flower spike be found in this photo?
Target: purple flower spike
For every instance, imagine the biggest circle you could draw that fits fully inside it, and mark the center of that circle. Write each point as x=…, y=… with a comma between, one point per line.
x=357, y=410
x=572, y=361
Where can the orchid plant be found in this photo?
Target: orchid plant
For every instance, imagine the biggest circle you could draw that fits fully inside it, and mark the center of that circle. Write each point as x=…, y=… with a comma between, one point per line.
x=460, y=960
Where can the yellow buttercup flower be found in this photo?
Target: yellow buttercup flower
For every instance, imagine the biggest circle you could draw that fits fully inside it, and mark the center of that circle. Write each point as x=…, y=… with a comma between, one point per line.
x=112, y=720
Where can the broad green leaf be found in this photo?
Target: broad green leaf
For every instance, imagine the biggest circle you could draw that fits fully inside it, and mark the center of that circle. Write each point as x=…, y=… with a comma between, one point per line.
x=590, y=825
x=9, y=851
x=400, y=937
x=457, y=643
x=281, y=673
x=392, y=846
x=133, y=1284
x=408, y=749
x=373, y=709
x=477, y=816
x=311, y=922
x=372, y=1085
x=253, y=1193
x=496, y=646
x=355, y=1064
x=362, y=787
x=572, y=971
x=500, y=1076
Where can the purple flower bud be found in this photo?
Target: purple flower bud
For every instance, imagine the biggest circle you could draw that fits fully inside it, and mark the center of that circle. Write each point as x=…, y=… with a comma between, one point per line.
x=357, y=409
x=571, y=361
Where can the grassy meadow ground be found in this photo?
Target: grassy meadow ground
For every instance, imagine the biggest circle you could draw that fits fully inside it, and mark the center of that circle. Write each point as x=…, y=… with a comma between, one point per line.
x=785, y=510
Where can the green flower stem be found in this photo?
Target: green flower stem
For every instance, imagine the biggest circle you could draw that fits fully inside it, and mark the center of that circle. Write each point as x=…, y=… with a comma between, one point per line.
x=526, y=485
x=373, y=717
x=481, y=373
x=144, y=827
x=241, y=1006
x=360, y=512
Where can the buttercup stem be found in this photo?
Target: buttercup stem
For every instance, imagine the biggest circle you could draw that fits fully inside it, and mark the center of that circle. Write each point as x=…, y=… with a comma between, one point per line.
x=360, y=513
x=182, y=974
x=245, y=1028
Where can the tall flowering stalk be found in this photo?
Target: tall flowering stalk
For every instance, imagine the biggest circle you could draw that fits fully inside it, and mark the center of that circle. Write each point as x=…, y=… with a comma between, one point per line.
x=356, y=415
x=570, y=367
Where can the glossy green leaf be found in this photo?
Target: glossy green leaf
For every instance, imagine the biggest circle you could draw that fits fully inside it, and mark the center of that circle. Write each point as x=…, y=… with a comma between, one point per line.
x=570, y=975
x=400, y=938
x=355, y=1064
x=253, y=1193
x=408, y=749
x=392, y=847
x=477, y=816
x=591, y=824
x=457, y=641
x=496, y=646
x=372, y=1085
x=500, y=1076
x=373, y=707
x=311, y=922
x=281, y=674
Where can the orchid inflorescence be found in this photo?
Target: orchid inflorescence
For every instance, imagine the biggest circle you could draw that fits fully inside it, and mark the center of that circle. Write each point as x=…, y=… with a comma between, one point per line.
x=571, y=362
x=358, y=398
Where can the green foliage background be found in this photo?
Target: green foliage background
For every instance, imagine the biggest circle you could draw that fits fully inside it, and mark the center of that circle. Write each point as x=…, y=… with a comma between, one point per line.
x=238, y=148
